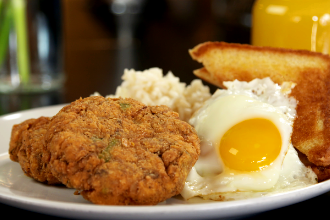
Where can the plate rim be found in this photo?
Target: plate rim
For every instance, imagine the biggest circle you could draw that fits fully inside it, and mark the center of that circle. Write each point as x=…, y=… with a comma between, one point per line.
x=214, y=209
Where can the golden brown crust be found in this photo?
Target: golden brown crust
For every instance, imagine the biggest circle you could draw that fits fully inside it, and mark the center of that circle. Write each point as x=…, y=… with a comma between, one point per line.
x=27, y=147
x=323, y=173
x=205, y=75
x=309, y=70
x=121, y=152
x=228, y=61
x=16, y=138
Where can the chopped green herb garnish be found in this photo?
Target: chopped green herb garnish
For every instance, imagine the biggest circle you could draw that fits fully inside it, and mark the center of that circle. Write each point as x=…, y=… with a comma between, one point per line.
x=124, y=106
x=105, y=154
x=105, y=190
x=96, y=139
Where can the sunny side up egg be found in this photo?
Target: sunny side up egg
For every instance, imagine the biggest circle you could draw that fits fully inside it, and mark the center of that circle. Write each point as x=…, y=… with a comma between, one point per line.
x=246, y=149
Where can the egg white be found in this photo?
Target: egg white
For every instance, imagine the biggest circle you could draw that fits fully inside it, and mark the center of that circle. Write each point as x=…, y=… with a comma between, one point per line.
x=210, y=177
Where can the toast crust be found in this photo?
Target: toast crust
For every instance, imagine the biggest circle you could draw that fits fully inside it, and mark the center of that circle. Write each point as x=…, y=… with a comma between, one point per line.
x=309, y=70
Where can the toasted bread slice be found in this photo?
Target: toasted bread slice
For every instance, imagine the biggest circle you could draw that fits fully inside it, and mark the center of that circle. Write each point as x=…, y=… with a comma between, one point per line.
x=309, y=70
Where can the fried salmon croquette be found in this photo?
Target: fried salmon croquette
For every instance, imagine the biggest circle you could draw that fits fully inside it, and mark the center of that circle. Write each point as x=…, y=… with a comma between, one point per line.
x=120, y=151
x=27, y=147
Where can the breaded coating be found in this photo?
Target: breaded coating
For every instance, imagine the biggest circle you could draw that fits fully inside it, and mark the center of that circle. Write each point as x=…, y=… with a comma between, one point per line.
x=27, y=147
x=309, y=70
x=120, y=151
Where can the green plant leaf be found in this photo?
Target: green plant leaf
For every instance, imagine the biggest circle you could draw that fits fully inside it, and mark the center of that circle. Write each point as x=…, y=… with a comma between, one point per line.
x=19, y=8
x=6, y=17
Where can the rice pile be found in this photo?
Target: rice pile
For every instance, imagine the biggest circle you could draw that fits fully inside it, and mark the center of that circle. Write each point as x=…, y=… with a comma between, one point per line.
x=153, y=88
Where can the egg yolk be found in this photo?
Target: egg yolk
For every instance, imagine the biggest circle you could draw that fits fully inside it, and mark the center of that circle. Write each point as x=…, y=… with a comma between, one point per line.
x=250, y=145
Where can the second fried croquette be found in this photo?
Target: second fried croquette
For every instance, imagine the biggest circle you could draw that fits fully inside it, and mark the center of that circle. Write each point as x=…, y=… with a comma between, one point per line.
x=120, y=151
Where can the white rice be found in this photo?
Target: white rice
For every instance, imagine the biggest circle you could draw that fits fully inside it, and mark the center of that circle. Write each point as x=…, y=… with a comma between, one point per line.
x=151, y=87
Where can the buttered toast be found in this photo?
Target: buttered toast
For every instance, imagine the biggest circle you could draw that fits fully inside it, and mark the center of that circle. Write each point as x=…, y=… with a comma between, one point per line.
x=309, y=70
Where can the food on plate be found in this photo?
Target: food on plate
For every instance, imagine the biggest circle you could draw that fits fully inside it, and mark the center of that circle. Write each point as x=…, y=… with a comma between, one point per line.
x=246, y=149
x=27, y=147
x=153, y=88
x=309, y=70
x=119, y=151
x=131, y=148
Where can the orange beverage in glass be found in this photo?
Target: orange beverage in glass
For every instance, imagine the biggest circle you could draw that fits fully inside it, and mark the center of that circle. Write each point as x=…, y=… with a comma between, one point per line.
x=295, y=24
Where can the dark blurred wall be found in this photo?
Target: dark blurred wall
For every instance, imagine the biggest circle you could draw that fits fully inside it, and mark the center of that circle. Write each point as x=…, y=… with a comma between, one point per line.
x=103, y=37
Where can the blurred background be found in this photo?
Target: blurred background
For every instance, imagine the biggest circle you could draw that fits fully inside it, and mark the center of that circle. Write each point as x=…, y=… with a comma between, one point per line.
x=56, y=51
x=103, y=37
x=100, y=38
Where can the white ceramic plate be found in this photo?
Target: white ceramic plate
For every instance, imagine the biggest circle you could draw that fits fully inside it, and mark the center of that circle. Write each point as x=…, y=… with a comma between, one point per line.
x=20, y=191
